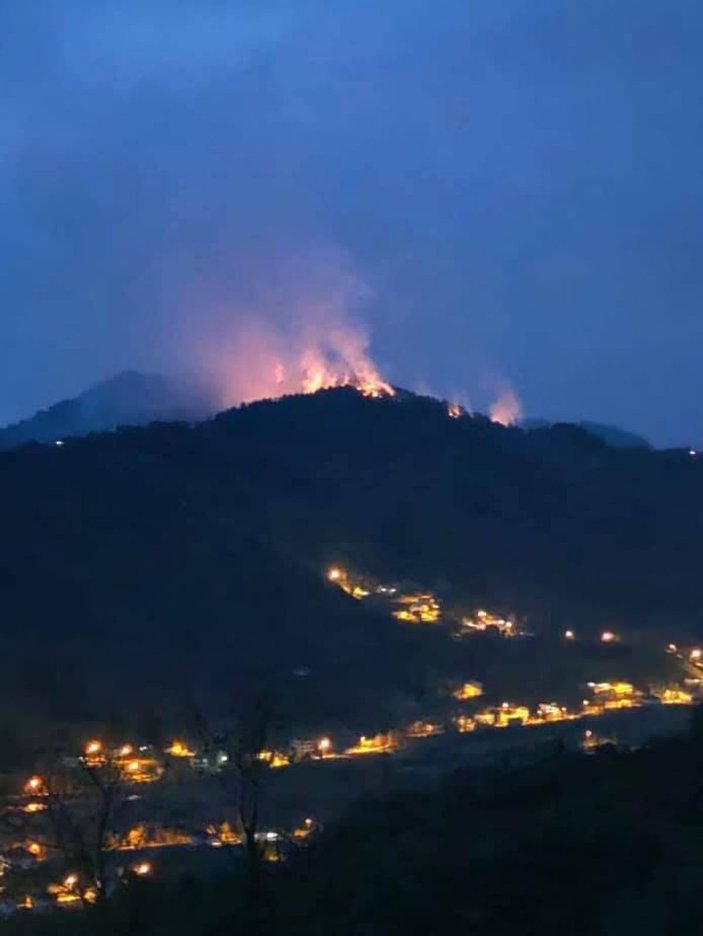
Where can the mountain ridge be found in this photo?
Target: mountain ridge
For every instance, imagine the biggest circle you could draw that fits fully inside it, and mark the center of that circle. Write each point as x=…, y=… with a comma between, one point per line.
x=128, y=398
x=176, y=557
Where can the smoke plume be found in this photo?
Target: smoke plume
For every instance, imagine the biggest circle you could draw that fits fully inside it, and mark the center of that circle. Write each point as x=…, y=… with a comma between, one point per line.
x=298, y=333
x=506, y=409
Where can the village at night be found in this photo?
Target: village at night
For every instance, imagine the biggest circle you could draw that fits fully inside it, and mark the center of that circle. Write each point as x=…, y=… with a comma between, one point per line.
x=351, y=468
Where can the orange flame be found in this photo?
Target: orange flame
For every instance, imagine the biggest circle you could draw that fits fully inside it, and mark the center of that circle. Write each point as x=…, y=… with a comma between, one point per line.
x=506, y=408
x=265, y=364
x=293, y=333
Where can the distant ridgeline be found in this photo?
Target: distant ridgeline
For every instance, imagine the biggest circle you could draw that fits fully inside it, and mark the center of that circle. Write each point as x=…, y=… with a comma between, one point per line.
x=618, y=438
x=128, y=399
x=148, y=562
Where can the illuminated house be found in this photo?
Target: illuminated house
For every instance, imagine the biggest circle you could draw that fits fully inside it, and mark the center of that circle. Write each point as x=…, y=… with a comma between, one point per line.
x=619, y=688
x=384, y=743
x=340, y=577
x=180, y=749
x=484, y=621
x=486, y=719
x=223, y=834
x=274, y=758
x=469, y=690
x=506, y=714
x=302, y=748
x=306, y=829
x=422, y=729
x=94, y=754
x=674, y=696
x=140, y=769
x=550, y=711
x=464, y=723
x=509, y=714
x=151, y=836
x=35, y=786
x=615, y=695
x=418, y=608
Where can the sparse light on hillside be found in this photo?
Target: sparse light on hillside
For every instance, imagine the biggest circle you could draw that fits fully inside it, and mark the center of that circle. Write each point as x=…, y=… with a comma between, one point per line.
x=470, y=690
x=35, y=785
x=94, y=753
x=274, y=758
x=618, y=688
x=551, y=711
x=417, y=608
x=608, y=636
x=424, y=729
x=180, y=749
x=674, y=696
x=464, y=723
x=509, y=714
x=379, y=744
x=34, y=807
x=485, y=621
x=569, y=635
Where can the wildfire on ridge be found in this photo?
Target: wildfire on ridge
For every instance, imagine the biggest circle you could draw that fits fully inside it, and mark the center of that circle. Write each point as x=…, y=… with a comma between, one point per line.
x=262, y=363
x=344, y=362
x=506, y=408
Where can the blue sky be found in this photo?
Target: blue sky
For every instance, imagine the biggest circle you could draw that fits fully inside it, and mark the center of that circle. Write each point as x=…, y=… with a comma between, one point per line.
x=514, y=185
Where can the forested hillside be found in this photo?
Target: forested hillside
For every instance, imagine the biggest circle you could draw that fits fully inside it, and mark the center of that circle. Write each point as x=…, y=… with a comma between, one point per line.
x=177, y=555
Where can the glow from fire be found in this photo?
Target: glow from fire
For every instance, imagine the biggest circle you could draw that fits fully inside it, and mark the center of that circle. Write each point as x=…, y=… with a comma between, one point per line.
x=268, y=364
x=506, y=409
x=295, y=330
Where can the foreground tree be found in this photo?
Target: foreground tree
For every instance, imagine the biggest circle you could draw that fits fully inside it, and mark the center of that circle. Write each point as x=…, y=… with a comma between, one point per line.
x=240, y=749
x=81, y=802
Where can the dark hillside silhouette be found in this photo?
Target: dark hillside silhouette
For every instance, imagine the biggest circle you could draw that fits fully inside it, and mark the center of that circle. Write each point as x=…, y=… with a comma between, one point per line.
x=127, y=399
x=162, y=556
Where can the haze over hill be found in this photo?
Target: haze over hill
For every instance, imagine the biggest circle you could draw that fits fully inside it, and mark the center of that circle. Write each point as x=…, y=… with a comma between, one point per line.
x=130, y=398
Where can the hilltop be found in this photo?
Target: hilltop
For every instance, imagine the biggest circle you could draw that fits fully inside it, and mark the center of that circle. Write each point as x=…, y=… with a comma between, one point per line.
x=149, y=562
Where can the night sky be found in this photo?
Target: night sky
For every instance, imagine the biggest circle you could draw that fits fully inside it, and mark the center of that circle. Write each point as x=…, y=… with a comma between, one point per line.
x=504, y=191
